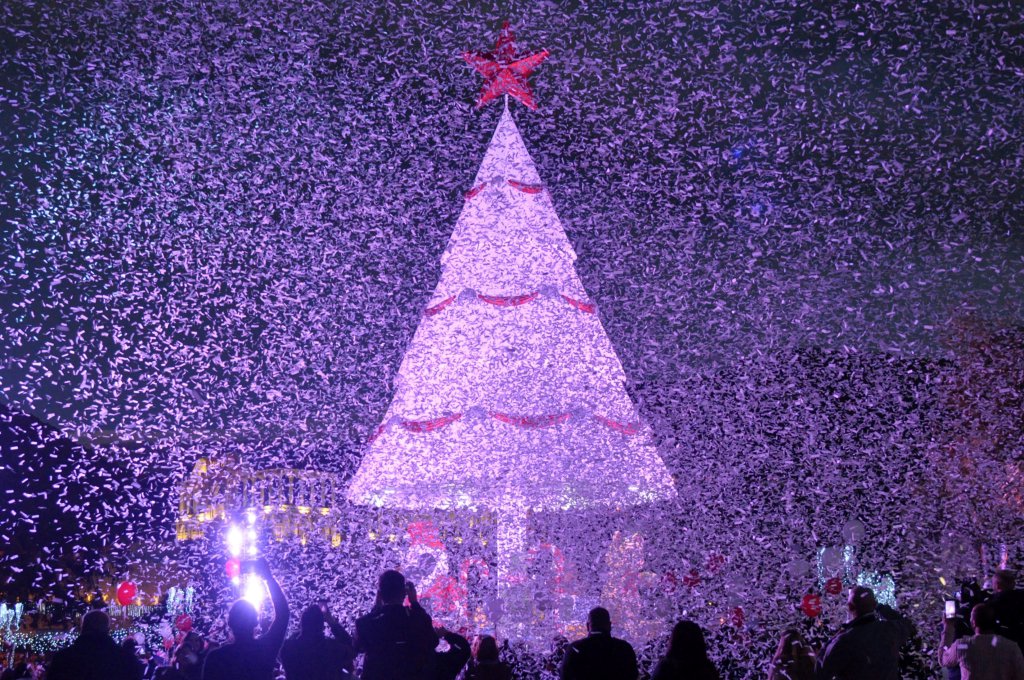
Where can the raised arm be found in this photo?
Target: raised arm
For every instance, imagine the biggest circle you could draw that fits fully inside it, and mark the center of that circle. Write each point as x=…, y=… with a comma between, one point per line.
x=275, y=634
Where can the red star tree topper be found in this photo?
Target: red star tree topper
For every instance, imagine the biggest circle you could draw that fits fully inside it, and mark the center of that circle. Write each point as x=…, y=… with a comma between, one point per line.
x=503, y=71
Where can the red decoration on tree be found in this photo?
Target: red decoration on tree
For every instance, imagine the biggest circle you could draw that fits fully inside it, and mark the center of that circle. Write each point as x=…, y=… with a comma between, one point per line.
x=436, y=309
x=503, y=71
x=737, y=617
x=183, y=623
x=508, y=301
x=811, y=605
x=587, y=307
x=834, y=585
x=233, y=568
x=692, y=579
x=536, y=422
x=430, y=425
x=526, y=188
x=623, y=428
x=126, y=593
x=474, y=191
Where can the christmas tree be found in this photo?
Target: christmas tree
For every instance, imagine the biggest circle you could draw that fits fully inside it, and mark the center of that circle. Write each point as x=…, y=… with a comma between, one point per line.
x=510, y=396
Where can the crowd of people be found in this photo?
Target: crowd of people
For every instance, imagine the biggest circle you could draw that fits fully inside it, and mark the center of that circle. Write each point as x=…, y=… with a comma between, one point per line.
x=398, y=640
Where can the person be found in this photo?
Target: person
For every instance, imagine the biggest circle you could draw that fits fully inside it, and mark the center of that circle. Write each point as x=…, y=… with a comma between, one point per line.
x=868, y=646
x=1008, y=603
x=599, y=656
x=485, y=664
x=397, y=641
x=187, y=660
x=794, y=659
x=449, y=663
x=984, y=655
x=687, y=655
x=94, y=655
x=311, y=655
x=247, y=657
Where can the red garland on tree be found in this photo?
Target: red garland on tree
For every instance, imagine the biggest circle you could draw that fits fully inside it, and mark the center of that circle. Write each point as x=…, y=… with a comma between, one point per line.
x=505, y=72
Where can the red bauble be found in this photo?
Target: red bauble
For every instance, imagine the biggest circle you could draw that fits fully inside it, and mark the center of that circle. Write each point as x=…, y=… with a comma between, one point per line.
x=692, y=579
x=737, y=617
x=233, y=568
x=183, y=623
x=811, y=605
x=126, y=593
x=834, y=585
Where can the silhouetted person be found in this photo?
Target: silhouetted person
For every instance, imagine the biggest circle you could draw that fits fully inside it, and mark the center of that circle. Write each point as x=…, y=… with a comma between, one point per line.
x=247, y=657
x=599, y=656
x=485, y=664
x=1008, y=603
x=311, y=655
x=449, y=663
x=984, y=655
x=398, y=641
x=687, y=656
x=94, y=655
x=794, y=659
x=868, y=646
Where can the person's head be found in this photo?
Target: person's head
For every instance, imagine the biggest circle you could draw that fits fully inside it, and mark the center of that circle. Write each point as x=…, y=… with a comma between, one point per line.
x=130, y=645
x=861, y=601
x=193, y=641
x=485, y=649
x=792, y=646
x=1004, y=581
x=242, y=619
x=983, y=619
x=391, y=587
x=312, y=620
x=687, y=642
x=96, y=622
x=599, y=621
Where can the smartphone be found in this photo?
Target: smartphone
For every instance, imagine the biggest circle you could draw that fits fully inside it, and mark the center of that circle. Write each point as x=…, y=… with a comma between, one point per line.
x=950, y=609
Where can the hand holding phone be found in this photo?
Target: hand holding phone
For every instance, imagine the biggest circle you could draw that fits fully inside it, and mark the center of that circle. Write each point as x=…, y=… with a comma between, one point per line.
x=950, y=609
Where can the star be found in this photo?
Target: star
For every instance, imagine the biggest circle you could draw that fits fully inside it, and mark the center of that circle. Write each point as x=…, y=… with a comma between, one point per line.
x=503, y=71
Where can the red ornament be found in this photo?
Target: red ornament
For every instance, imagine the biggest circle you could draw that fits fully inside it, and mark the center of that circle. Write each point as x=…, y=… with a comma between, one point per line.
x=737, y=617
x=692, y=579
x=504, y=72
x=183, y=623
x=811, y=605
x=126, y=593
x=715, y=563
x=834, y=585
x=168, y=643
x=233, y=568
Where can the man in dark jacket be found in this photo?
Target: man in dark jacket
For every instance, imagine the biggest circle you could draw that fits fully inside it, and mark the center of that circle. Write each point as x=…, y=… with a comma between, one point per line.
x=247, y=657
x=599, y=656
x=449, y=663
x=311, y=655
x=94, y=655
x=1008, y=603
x=868, y=647
x=398, y=641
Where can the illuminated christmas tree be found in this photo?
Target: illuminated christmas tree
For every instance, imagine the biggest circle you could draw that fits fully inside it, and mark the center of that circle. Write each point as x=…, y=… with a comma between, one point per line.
x=510, y=396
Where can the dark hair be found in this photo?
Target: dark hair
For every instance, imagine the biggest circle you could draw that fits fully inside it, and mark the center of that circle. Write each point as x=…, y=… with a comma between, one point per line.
x=242, y=618
x=391, y=585
x=687, y=644
x=600, y=620
x=983, y=616
x=485, y=649
x=312, y=619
